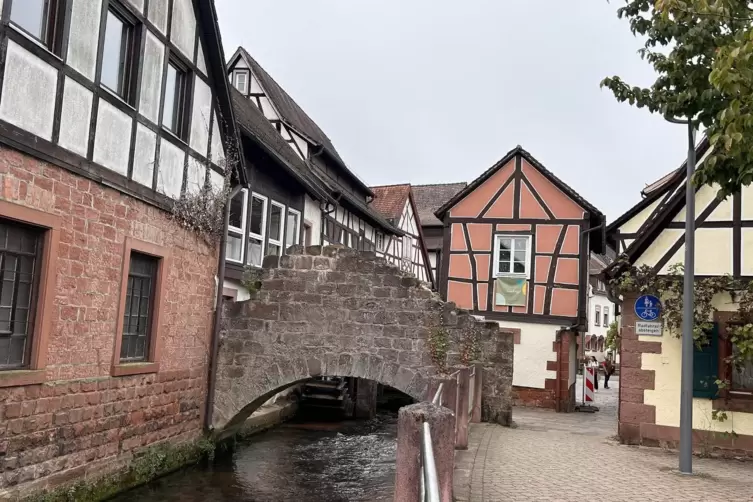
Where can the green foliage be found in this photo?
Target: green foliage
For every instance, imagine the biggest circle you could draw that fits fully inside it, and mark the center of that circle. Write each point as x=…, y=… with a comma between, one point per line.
x=701, y=51
x=251, y=279
x=439, y=344
x=612, y=342
x=151, y=463
x=470, y=350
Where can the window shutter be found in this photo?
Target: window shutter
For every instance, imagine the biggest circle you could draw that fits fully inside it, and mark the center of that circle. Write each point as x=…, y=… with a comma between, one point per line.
x=706, y=367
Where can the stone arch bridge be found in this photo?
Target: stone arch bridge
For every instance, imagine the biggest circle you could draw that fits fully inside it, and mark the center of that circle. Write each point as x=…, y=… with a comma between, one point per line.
x=339, y=312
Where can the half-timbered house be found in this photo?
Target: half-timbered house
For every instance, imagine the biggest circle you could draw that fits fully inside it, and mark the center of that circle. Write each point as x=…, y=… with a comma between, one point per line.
x=349, y=221
x=428, y=199
x=110, y=111
x=652, y=235
x=516, y=250
x=396, y=203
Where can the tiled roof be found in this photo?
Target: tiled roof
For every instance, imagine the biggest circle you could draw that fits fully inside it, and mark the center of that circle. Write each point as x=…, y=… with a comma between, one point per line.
x=429, y=198
x=390, y=200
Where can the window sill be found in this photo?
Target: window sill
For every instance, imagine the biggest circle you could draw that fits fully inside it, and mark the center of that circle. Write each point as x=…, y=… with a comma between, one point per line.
x=15, y=378
x=33, y=39
x=741, y=403
x=116, y=96
x=127, y=369
x=172, y=136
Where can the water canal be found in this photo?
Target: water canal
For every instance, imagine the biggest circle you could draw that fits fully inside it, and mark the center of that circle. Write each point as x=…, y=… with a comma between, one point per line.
x=299, y=461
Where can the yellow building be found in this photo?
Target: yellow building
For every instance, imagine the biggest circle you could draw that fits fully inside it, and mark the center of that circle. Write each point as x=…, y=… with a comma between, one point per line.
x=652, y=234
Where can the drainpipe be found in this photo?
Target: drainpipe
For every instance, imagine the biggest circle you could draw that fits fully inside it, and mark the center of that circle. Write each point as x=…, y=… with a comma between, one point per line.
x=208, y=412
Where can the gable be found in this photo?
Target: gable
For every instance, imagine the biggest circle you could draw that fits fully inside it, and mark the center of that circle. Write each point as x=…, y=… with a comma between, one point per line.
x=517, y=190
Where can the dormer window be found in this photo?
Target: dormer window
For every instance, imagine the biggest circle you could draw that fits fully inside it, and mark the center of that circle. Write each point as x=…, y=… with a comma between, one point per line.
x=119, y=55
x=241, y=81
x=42, y=19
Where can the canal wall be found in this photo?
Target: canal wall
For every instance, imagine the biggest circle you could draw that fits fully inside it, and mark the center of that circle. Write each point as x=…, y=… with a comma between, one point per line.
x=268, y=416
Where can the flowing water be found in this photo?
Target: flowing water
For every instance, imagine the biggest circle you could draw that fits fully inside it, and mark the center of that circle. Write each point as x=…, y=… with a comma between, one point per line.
x=301, y=462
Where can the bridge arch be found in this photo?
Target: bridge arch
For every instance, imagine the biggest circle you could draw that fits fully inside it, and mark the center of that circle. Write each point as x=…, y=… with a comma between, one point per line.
x=338, y=312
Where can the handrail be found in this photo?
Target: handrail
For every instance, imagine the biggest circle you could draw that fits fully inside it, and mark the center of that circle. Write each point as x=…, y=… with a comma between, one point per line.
x=438, y=395
x=430, y=481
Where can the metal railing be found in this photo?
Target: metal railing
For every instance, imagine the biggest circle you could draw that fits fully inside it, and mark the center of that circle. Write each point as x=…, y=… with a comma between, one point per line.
x=429, y=478
x=472, y=390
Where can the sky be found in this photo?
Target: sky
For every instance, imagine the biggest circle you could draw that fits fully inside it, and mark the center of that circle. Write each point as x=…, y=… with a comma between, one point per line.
x=436, y=91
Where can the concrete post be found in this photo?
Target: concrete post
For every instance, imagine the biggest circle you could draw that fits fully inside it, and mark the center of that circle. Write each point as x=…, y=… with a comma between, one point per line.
x=464, y=391
x=478, y=385
x=366, y=398
x=410, y=421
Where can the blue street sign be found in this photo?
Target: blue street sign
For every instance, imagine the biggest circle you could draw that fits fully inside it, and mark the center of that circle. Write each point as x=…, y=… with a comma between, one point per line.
x=648, y=308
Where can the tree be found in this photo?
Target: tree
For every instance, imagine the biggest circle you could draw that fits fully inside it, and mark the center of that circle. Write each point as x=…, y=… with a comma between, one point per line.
x=701, y=50
x=612, y=342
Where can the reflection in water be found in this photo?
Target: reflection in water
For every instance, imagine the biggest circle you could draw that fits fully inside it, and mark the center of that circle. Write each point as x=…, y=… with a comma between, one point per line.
x=348, y=461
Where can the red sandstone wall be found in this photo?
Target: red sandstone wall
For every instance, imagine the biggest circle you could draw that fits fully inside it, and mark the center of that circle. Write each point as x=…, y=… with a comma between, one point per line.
x=81, y=417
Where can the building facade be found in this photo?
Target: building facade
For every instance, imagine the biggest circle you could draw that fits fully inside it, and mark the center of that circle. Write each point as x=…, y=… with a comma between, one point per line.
x=109, y=112
x=515, y=250
x=601, y=312
x=428, y=199
x=304, y=186
x=397, y=204
x=653, y=236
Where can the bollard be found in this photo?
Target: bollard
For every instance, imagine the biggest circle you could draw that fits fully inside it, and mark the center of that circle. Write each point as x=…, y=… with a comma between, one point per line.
x=477, y=390
x=450, y=394
x=410, y=421
x=464, y=389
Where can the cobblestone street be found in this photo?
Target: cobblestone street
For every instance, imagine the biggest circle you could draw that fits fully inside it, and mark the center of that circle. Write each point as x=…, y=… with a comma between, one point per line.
x=550, y=456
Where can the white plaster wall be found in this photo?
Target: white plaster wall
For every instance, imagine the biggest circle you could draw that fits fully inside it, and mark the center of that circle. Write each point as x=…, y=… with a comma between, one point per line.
x=746, y=254
x=243, y=293
x=659, y=248
x=703, y=197
x=302, y=144
x=666, y=394
x=143, y=156
x=75, y=117
x=216, y=180
x=201, y=63
x=139, y=4
x=112, y=138
x=29, y=90
x=532, y=353
x=313, y=214
x=84, y=36
x=170, y=174
x=633, y=224
x=196, y=175
x=218, y=150
x=747, y=202
x=158, y=14
x=432, y=259
x=183, y=28
x=202, y=111
x=151, y=81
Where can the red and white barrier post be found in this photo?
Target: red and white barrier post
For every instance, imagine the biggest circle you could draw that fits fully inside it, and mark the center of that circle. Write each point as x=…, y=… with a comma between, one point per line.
x=589, y=374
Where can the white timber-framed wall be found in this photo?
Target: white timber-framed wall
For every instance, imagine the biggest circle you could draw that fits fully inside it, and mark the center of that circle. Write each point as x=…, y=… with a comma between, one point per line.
x=407, y=251
x=323, y=223
x=117, y=135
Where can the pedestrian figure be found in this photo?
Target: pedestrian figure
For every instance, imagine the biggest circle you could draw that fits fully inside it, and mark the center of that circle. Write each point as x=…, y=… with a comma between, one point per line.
x=595, y=365
x=608, y=370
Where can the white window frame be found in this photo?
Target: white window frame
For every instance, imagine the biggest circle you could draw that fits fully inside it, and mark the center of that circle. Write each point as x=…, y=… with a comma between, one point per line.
x=283, y=216
x=379, y=242
x=605, y=317
x=238, y=73
x=527, y=273
x=239, y=232
x=407, y=254
x=263, y=234
x=297, y=234
x=597, y=315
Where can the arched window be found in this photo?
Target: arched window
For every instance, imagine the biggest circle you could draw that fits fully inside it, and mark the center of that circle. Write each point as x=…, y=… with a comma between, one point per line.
x=601, y=344
x=587, y=344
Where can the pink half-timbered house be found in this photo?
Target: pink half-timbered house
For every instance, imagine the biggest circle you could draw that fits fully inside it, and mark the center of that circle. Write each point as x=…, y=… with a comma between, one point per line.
x=516, y=250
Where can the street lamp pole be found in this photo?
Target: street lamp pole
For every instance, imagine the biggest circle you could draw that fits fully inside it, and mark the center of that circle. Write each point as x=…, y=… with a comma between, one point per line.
x=686, y=382
x=686, y=392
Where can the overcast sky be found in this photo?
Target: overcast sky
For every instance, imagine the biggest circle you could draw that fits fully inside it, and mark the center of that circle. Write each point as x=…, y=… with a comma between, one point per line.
x=435, y=91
